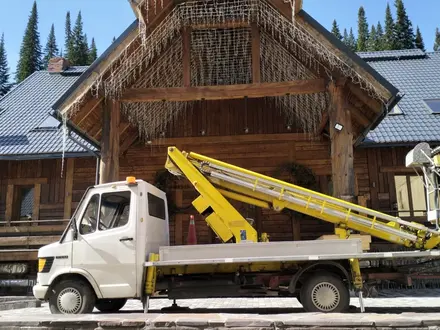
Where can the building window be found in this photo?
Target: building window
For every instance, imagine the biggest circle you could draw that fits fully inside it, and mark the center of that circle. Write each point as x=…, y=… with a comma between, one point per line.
x=433, y=105
x=410, y=195
x=25, y=202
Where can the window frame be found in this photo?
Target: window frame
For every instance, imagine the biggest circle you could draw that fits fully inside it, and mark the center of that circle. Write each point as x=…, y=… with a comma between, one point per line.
x=129, y=204
x=425, y=101
x=412, y=212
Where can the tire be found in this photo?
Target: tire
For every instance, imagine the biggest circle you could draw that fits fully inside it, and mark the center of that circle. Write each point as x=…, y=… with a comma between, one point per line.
x=72, y=297
x=325, y=294
x=110, y=305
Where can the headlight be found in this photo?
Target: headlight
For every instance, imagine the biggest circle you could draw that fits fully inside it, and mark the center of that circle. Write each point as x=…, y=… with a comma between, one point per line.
x=41, y=264
x=45, y=264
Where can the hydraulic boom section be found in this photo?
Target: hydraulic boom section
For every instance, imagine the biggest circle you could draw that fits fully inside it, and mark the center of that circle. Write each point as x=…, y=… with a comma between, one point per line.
x=216, y=181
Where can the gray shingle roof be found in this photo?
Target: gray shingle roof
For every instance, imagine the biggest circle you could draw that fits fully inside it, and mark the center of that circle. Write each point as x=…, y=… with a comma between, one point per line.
x=392, y=54
x=26, y=127
x=418, y=78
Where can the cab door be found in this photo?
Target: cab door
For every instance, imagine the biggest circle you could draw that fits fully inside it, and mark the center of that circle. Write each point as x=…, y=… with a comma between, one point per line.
x=105, y=246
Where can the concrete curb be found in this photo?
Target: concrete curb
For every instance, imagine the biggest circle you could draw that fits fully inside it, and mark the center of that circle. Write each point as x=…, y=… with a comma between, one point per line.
x=225, y=322
x=11, y=304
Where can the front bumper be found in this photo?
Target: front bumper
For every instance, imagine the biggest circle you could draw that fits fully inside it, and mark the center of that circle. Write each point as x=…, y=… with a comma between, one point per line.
x=40, y=291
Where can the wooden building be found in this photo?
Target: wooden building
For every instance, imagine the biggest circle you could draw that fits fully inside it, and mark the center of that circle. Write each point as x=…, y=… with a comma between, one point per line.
x=257, y=83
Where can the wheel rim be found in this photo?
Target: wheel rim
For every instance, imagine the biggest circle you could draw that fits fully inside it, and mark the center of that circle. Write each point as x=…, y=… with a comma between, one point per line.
x=69, y=301
x=325, y=296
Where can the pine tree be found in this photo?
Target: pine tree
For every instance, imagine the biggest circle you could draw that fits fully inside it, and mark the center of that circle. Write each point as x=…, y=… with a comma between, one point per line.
x=373, y=40
x=51, y=49
x=68, y=45
x=420, y=44
x=5, y=85
x=30, y=52
x=93, y=52
x=335, y=30
x=362, y=31
x=79, y=54
x=351, y=41
x=403, y=27
x=380, y=36
x=389, y=40
x=437, y=40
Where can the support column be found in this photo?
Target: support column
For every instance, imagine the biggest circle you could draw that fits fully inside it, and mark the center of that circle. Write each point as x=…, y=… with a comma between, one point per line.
x=341, y=135
x=109, y=167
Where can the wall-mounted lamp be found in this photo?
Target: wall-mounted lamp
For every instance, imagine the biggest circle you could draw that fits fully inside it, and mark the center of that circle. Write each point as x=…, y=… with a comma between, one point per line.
x=246, y=130
x=149, y=142
x=203, y=132
x=289, y=127
x=339, y=127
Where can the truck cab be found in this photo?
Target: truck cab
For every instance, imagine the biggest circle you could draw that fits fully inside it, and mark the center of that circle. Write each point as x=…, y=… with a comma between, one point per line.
x=103, y=249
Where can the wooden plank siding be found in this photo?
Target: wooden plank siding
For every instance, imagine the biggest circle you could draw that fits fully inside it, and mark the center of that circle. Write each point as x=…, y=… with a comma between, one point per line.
x=268, y=145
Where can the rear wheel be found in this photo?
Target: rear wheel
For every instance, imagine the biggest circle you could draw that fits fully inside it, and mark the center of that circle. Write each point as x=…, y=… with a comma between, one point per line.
x=72, y=297
x=325, y=294
x=110, y=305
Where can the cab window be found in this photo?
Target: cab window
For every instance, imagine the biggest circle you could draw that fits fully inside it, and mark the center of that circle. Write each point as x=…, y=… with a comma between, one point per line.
x=156, y=206
x=90, y=217
x=114, y=210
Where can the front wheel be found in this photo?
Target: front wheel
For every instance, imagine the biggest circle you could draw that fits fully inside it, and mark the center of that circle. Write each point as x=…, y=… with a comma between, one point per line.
x=325, y=294
x=110, y=305
x=72, y=297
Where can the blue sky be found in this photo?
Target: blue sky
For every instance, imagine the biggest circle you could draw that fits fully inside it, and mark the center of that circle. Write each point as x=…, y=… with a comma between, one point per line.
x=104, y=19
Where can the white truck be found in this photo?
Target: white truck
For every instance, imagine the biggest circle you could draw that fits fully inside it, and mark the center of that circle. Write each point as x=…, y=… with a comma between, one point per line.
x=116, y=246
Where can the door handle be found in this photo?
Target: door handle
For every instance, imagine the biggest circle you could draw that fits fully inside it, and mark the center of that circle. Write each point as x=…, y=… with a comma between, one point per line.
x=125, y=239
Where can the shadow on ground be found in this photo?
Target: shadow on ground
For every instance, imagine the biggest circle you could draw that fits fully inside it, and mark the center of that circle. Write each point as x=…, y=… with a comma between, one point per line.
x=273, y=311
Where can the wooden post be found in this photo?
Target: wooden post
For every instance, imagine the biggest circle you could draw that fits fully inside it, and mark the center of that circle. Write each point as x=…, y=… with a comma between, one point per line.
x=68, y=188
x=109, y=168
x=256, y=60
x=9, y=204
x=37, y=199
x=186, y=54
x=341, y=144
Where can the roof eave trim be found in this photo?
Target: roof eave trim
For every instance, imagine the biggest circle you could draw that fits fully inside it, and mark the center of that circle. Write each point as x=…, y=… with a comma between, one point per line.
x=57, y=105
x=56, y=155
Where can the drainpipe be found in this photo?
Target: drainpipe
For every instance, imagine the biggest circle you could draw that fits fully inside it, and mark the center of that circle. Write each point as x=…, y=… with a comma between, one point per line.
x=98, y=163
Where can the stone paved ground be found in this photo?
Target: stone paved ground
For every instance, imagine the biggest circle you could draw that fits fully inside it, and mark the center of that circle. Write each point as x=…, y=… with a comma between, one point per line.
x=262, y=306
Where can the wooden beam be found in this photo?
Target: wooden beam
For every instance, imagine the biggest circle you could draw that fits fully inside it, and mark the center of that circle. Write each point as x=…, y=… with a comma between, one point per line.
x=186, y=56
x=9, y=203
x=372, y=103
x=27, y=181
x=28, y=240
x=225, y=92
x=86, y=110
x=70, y=166
x=49, y=229
x=128, y=142
x=22, y=255
x=298, y=6
x=323, y=123
x=256, y=59
x=285, y=137
x=341, y=144
x=359, y=116
x=37, y=199
x=109, y=167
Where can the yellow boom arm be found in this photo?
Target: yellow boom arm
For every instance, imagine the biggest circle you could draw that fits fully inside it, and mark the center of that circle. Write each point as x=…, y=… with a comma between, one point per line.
x=215, y=181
